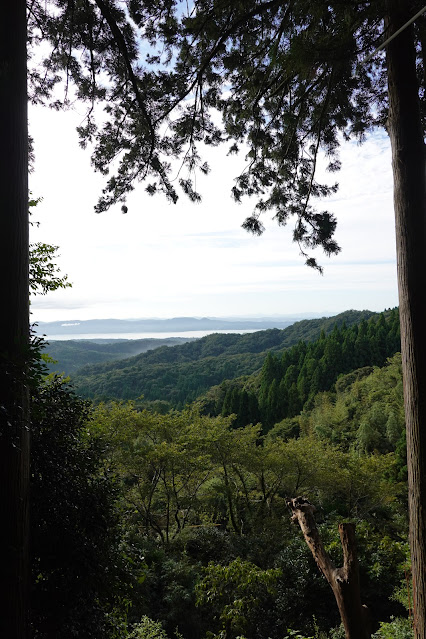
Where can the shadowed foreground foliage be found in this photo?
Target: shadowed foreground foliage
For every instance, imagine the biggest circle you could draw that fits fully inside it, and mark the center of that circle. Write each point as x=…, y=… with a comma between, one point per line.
x=78, y=575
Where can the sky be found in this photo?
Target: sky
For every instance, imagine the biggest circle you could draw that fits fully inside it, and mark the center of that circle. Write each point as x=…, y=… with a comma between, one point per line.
x=164, y=260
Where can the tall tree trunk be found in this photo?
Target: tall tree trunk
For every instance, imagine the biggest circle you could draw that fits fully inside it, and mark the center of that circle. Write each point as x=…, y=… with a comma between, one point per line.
x=344, y=581
x=14, y=322
x=408, y=161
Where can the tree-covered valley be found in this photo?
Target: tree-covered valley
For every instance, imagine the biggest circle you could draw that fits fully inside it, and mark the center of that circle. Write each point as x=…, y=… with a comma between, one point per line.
x=181, y=374
x=172, y=520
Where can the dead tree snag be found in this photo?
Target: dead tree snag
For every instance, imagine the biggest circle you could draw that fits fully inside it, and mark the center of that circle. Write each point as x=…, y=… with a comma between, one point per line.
x=344, y=581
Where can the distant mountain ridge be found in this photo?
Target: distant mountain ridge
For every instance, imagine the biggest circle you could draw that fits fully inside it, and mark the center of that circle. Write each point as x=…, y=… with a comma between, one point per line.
x=178, y=324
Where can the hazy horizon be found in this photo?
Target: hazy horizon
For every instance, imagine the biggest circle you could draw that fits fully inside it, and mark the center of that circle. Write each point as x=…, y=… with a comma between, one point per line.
x=72, y=320
x=162, y=260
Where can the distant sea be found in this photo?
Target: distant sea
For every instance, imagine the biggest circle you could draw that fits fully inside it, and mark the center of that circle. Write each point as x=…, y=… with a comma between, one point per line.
x=159, y=335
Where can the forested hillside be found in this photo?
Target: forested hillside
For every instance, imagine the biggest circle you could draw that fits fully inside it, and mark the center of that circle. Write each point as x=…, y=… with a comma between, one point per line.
x=181, y=374
x=70, y=355
x=199, y=542
x=363, y=412
x=289, y=381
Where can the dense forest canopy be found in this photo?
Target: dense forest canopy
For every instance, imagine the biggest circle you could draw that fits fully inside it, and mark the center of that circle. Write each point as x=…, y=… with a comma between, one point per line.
x=181, y=374
x=182, y=527
x=182, y=521
x=275, y=372
x=290, y=381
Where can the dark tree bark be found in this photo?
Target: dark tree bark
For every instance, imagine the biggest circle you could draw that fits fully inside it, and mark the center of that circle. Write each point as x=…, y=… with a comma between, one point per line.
x=408, y=161
x=344, y=581
x=14, y=322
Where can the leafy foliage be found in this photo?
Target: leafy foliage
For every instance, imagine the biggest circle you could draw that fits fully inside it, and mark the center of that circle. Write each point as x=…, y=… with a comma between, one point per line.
x=199, y=492
x=43, y=272
x=366, y=412
x=238, y=590
x=147, y=629
x=78, y=577
x=399, y=628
